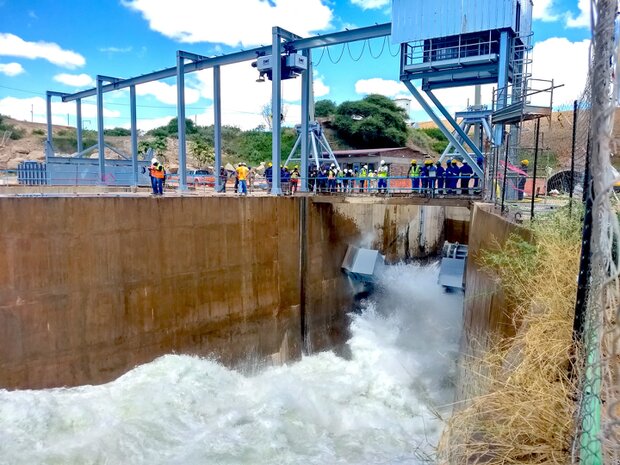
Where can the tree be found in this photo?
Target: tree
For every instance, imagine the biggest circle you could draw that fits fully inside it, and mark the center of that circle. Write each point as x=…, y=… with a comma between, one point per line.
x=324, y=108
x=373, y=122
x=117, y=132
x=172, y=129
x=267, y=115
x=159, y=146
x=202, y=151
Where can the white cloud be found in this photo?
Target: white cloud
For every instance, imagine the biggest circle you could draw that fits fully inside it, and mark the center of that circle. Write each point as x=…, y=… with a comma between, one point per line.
x=583, y=18
x=368, y=4
x=12, y=45
x=75, y=80
x=20, y=109
x=387, y=87
x=167, y=93
x=243, y=97
x=252, y=19
x=543, y=10
x=115, y=49
x=318, y=86
x=566, y=63
x=11, y=69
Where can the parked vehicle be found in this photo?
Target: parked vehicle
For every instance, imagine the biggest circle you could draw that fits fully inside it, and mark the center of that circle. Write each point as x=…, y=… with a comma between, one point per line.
x=200, y=178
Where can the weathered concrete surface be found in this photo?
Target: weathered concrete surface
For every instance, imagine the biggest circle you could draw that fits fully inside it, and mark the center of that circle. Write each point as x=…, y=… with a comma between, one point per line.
x=92, y=286
x=487, y=315
x=402, y=232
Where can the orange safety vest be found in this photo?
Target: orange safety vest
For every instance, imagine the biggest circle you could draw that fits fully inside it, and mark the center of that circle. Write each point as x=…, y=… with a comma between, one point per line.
x=157, y=171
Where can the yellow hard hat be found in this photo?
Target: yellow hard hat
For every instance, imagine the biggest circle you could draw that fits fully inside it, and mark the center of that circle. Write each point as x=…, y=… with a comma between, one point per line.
x=525, y=162
x=270, y=164
x=413, y=162
x=428, y=161
x=296, y=166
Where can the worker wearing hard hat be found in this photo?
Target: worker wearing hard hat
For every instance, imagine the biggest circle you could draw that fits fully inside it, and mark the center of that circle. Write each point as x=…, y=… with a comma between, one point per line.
x=242, y=176
x=522, y=179
x=363, y=175
x=452, y=176
x=440, y=173
x=269, y=173
x=157, y=174
x=383, y=175
x=414, y=174
x=425, y=174
x=466, y=173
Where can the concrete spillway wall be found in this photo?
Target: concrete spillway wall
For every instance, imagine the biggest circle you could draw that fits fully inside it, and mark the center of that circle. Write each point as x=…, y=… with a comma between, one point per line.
x=91, y=287
x=487, y=315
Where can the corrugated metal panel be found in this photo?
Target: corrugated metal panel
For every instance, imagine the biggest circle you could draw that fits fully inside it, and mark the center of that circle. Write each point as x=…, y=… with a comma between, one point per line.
x=426, y=19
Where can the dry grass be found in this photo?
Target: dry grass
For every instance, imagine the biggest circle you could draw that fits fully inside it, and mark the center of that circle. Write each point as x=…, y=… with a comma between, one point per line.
x=525, y=399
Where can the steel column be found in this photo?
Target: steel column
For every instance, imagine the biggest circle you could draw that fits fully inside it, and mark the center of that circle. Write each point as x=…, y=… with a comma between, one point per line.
x=305, y=115
x=424, y=104
x=502, y=81
x=49, y=151
x=100, y=135
x=217, y=126
x=461, y=133
x=181, y=121
x=78, y=125
x=276, y=109
x=134, y=135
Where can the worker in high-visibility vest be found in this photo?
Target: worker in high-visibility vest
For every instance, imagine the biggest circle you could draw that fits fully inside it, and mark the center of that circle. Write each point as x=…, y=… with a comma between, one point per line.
x=383, y=175
x=157, y=174
x=414, y=174
x=363, y=175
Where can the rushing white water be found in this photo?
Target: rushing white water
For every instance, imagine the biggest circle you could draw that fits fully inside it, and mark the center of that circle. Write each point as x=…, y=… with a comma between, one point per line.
x=375, y=408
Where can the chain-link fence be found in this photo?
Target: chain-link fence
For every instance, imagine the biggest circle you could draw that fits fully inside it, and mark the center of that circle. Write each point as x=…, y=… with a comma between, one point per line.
x=597, y=439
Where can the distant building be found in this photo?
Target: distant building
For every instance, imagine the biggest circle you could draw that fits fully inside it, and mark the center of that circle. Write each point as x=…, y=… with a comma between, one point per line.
x=404, y=103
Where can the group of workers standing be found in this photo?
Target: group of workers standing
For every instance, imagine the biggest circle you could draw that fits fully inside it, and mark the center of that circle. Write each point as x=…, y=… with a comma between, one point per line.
x=435, y=178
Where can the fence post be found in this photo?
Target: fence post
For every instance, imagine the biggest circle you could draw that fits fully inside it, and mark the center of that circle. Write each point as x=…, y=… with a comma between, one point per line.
x=537, y=134
x=572, y=161
x=507, y=139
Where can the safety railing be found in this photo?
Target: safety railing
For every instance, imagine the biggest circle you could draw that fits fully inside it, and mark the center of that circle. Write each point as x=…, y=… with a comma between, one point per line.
x=454, y=48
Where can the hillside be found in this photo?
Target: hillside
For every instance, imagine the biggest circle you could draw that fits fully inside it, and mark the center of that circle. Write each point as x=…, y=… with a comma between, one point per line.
x=555, y=139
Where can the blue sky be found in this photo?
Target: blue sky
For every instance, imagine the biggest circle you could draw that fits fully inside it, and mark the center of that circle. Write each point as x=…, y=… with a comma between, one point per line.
x=63, y=45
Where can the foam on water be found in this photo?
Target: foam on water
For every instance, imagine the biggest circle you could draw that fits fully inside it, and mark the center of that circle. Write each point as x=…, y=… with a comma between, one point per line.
x=374, y=408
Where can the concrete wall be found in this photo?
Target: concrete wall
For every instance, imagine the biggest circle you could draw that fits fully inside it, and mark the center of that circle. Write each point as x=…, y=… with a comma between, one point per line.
x=487, y=315
x=91, y=287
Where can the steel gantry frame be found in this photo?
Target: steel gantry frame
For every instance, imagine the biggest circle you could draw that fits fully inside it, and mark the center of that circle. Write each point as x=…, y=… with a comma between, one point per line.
x=282, y=42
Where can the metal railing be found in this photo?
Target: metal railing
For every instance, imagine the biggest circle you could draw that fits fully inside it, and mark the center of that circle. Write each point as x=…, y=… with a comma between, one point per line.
x=435, y=50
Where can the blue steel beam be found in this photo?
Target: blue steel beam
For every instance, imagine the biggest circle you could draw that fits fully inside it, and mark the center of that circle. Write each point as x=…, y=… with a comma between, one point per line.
x=172, y=72
x=78, y=124
x=335, y=38
x=181, y=120
x=362, y=33
x=462, y=134
x=100, y=135
x=306, y=82
x=276, y=109
x=502, y=81
x=428, y=109
x=49, y=146
x=217, y=126
x=134, y=135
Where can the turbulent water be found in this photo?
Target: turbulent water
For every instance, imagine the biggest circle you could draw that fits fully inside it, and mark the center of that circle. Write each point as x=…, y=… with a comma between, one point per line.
x=378, y=406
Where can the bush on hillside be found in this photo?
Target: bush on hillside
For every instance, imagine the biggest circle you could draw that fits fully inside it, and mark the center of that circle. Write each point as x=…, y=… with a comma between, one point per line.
x=373, y=122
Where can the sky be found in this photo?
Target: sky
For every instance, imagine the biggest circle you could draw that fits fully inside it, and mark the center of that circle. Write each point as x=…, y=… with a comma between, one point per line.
x=63, y=45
